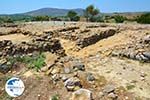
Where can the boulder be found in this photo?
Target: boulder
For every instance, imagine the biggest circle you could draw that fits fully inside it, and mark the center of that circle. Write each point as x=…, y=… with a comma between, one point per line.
x=82, y=94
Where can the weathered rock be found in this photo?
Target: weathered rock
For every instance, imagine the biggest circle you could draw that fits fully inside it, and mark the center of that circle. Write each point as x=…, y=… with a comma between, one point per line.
x=90, y=77
x=67, y=70
x=147, y=39
x=72, y=84
x=108, y=89
x=4, y=68
x=77, y=65
x=82, y=94
x=112, y=95
x=147, y=54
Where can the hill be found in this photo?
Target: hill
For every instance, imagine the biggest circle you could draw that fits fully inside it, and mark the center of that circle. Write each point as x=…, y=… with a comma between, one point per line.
x=53, y=12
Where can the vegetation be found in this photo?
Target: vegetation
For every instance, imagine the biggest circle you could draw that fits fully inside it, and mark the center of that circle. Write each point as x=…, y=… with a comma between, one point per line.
x=119, y=19
x=6, y=20
x=55, y=97
x=34, y=62
x=144, y=19
x=91, y=12
x=41, y=18
x=129, y=86
x=73, y=16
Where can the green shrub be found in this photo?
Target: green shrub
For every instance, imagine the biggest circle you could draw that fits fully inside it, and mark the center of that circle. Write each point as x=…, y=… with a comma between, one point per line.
x=119, y=19
x=144, y=19
x=55, y=97
x=41, y=18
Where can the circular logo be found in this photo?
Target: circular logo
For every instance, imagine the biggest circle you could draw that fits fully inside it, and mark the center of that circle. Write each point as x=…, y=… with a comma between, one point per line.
x=14, y=87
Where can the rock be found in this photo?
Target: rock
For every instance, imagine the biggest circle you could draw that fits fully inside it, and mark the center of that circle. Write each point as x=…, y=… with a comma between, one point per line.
x=143, y=57
x=4, y=68
x=44, y=69
x=147, y=54
x=112, y=95
x=64, y=78
x=147, y=39
x=138, y=57
x=132, y=55
x=72, y=84
x=56, y=77
x=108, y=89
x=67, y=70
x=82, y=94
x=56, y=70
x=90, y=77
x=78, y=65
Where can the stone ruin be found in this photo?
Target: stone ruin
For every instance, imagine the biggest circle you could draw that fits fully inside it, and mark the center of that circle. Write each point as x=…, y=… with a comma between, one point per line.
x=39, y=44
x=91, y=39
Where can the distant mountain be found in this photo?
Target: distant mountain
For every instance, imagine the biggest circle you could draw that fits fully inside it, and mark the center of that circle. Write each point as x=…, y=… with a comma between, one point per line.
x=53, y=12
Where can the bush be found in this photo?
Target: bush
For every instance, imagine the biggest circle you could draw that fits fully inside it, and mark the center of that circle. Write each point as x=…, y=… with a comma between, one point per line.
x=144, y=19
x=97, y=19
x=41, y=18
x=6, y=20
x=119, y=19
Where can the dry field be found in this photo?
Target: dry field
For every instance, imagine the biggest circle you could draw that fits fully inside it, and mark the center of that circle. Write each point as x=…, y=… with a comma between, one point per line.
x=110, y=61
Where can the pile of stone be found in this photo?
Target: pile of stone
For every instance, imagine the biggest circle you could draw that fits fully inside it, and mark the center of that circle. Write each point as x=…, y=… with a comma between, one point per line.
x=135, y=55
x=9, y=25
x=91, y=39
x=141, y=56
x=15, y=31
x=93, y=26
x=38, y=44
x=68, y=29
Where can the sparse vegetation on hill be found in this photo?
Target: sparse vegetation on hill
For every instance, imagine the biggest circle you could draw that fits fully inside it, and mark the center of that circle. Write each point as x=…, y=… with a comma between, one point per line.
x=119, y=19
x=6, y=20
x=41, y=18
x=144, y=19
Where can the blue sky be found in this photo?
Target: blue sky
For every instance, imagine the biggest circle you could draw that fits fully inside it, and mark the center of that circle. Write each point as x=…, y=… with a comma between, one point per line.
x=20, y=6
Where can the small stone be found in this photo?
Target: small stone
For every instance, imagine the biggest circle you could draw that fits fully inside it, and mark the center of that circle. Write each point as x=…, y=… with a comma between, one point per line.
x=78, y=65
x=108, y=88
x=44, y=69
x=112, y=95
x=147, y=54
x=101, y=94
x=56, y=70
x=67, y=70
x=71, y=83
x=147, y=39
x=82, y=94
x=4, y=68
x=90, y=77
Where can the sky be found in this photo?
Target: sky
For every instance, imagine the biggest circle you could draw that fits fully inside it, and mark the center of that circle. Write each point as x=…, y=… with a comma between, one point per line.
x=107, y=6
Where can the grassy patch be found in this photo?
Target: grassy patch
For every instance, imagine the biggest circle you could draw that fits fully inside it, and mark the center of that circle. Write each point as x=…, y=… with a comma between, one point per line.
x=55, y=97
x=129, y=86
x=33, y=62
